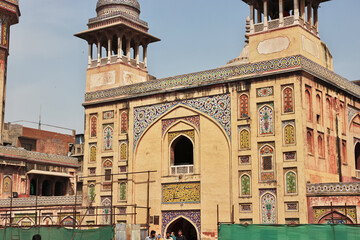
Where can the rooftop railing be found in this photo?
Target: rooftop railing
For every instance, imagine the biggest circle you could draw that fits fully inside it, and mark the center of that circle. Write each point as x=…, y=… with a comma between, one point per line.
x=36, y=156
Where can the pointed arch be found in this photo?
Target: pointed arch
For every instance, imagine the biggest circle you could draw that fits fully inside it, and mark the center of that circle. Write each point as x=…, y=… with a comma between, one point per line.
x=338, y=216
x=204, y=106
x=93, y=126
x=319, y=108
x=244, y=105
x=6, y=185
x=124, y=122
x=308, y=104
x=123, y=151
x=329, y=113
x=166, y=229
x=106, y=210
x=291, y=182
x=244, y=139
x=321, y=145
x=245, y=185
x=181, y=151
x=289, y=134
x=267, y=163
x=266, y=119
x=93, y=153
x=92, y=192
x=268, y=208
x=288, y=100
x=123, y=191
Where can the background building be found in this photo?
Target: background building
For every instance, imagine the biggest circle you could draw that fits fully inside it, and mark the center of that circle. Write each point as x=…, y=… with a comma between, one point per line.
x=250, y=142
x=9, y=15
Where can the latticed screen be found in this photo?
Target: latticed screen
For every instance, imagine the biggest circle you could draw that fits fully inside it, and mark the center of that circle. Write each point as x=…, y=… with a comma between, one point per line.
x=267, y=163
x=108, y=175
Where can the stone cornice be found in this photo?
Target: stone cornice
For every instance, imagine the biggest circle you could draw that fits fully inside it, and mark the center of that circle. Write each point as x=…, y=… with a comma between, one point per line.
x=224, y=75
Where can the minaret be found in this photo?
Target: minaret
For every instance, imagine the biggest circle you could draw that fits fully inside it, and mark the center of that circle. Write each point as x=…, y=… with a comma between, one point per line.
x=282, y=28
x=117, y=33
x=9, y=15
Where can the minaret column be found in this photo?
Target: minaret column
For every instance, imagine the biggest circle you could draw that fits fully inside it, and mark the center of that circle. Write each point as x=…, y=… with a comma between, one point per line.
x=309, y=10
x=109, y=49
x=128, y=46
x=137, y=55
x=99, y=52
x=119, y=46
x=145, y=55
x=281, y=13
x=252, y=18
x=296, y=11
x=90, y=53
x=302, y=10
x=316, y=20
x=265, y=15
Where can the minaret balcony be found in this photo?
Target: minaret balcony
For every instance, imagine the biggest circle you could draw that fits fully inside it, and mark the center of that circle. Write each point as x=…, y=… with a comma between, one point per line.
x=114, y=59
x=288, y=21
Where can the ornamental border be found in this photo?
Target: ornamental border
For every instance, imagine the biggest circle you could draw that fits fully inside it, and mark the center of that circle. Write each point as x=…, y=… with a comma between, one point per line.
x=226, y=74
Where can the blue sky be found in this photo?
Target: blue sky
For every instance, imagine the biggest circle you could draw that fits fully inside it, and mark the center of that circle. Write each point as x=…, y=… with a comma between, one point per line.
x=47, y=64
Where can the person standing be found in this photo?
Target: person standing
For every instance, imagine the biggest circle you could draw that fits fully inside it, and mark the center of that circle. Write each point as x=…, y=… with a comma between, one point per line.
x=180, y=236
x=168, y=236
x=173, y=236
x=152, y=236
x=159, y=237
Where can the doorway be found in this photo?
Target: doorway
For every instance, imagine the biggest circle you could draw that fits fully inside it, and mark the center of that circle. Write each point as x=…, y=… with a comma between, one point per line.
x=188, y=229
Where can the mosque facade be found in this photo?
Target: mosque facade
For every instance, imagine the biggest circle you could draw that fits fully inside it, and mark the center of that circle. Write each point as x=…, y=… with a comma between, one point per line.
x=272, y=137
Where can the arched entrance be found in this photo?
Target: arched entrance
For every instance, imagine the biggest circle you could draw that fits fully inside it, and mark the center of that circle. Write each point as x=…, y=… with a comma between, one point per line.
x=335, y=218
x=59, y=189
x=33, y=187
x=188, y=229
x=46, y=188
x=357, y=156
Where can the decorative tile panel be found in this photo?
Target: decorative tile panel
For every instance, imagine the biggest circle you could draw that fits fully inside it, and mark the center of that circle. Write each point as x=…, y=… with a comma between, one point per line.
x=245, y=184
x=289, y=132
x=123, y=151
x=124, y=122
x=292, y=206
x=244, y=106
x=181, y=193
x=217, y=107
x=289, y=156
x=266, y=118
x=320, y=212
x=246, y=207
x=195, y=120
x=264, y=92
x=93, y=153
x=291, y=182
x=268, y=206
x=108, y=115
x=244, y=137
x=169, y=216
x=288, y=100
x=244, y=160
x=108, y=136
x=190, y=134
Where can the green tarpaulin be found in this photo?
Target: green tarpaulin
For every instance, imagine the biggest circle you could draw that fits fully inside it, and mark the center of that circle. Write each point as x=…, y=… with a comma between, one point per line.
x=57, y=233
x=289, y=232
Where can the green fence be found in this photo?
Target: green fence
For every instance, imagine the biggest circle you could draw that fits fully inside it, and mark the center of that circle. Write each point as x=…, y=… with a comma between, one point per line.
x=57, y=233
x=289, y=232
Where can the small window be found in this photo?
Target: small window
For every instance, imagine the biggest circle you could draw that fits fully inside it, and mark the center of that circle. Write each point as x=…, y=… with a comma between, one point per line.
x=267, y=163
x=182, y=152
x=107, y=174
